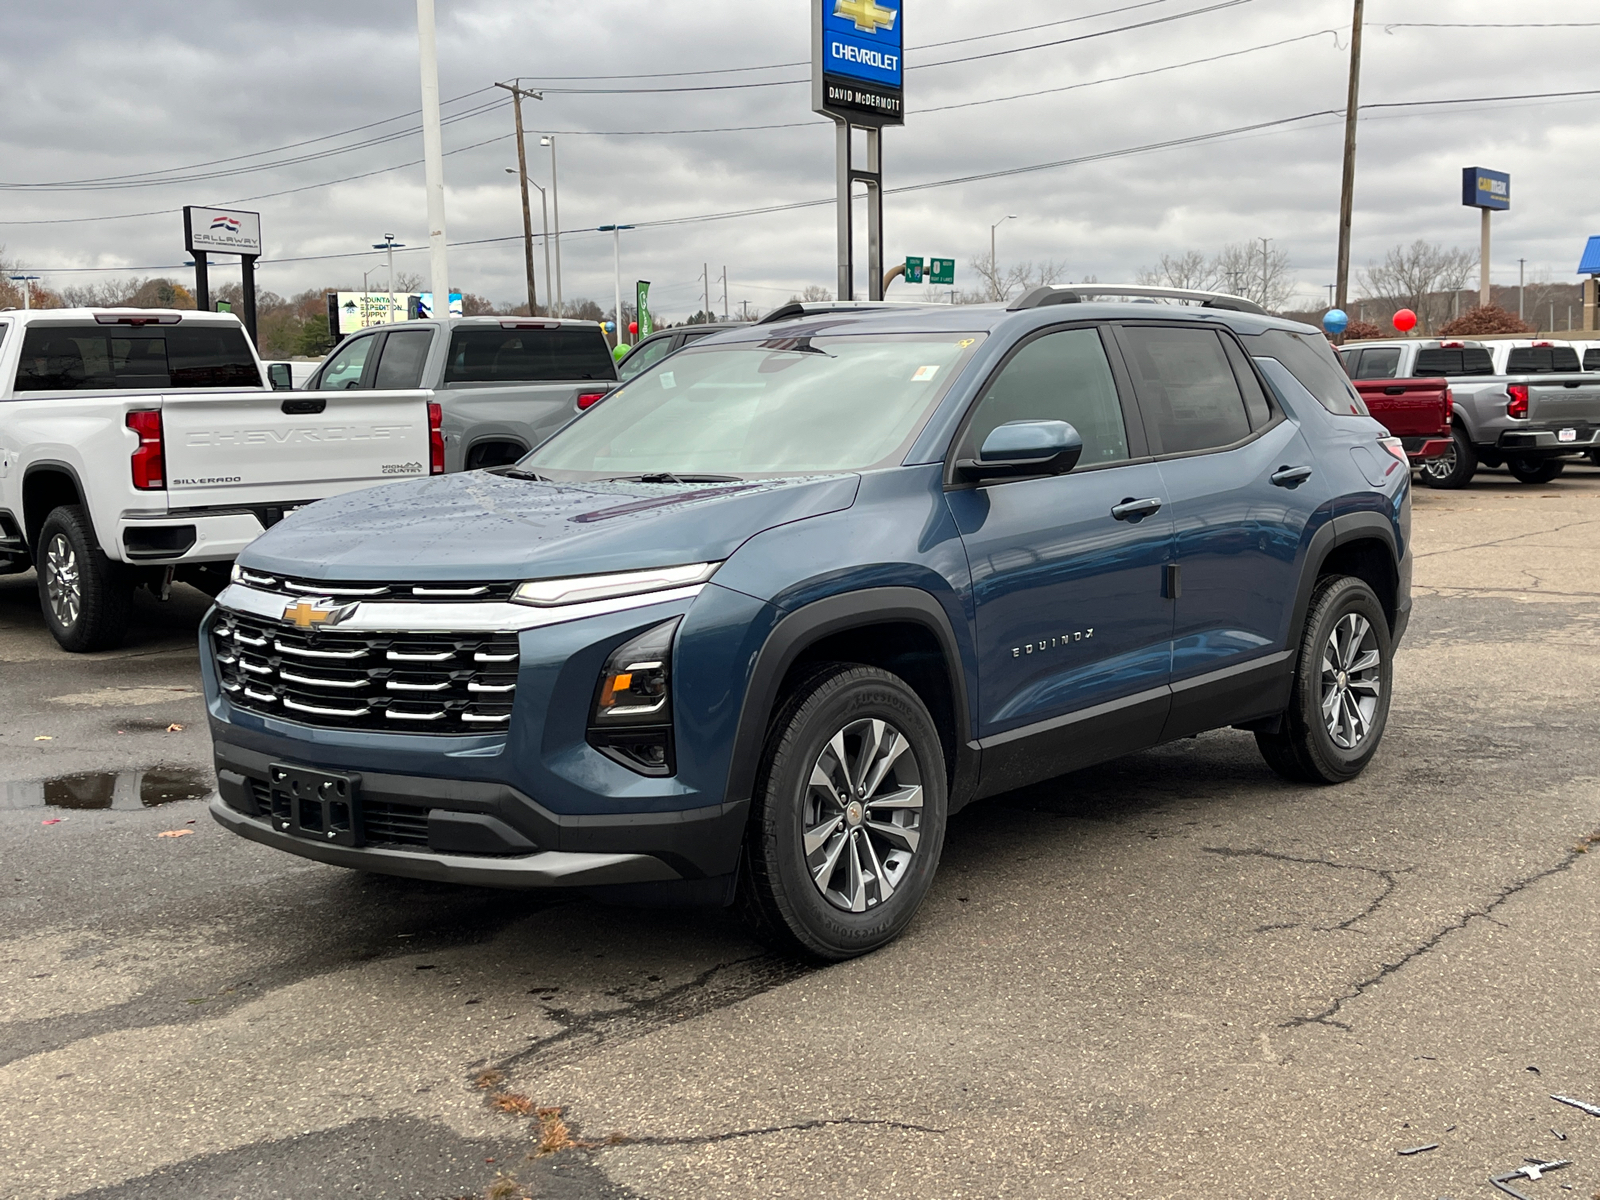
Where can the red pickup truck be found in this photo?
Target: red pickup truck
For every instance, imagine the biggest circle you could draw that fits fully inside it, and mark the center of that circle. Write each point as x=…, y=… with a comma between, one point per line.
x=1417, y=411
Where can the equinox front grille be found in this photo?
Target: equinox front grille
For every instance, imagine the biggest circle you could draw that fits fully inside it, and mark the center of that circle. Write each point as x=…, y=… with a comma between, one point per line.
x=453, y=683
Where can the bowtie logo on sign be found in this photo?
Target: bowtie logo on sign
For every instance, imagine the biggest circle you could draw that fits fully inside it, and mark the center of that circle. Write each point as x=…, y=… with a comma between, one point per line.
x=868, y=15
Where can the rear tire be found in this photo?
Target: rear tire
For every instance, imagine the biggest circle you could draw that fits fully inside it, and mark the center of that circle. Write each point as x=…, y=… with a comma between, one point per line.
x=848, y=817
x=1594, y=458
x=86, y=598
x=1535, y=470
x=1340, y=701
x=1455, y=467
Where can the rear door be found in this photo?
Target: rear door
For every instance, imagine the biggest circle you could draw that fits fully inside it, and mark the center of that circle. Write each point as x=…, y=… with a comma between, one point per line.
x=1233, y=468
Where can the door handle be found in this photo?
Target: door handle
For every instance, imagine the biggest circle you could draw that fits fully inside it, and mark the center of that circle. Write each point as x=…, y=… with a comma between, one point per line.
x=1291, y=477
x=1394, y=391
x=1135, y=510
x=303, y=408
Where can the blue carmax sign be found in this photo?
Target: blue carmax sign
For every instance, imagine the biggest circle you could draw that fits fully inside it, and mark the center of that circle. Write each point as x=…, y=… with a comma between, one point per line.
x=1483, y=188
x=861, y=39
x=1590, y=263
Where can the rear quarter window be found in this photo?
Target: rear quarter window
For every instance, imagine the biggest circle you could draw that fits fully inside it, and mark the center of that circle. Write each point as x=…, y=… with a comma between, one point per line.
x=110, y=358
x=1311, y=360
x=528, y=355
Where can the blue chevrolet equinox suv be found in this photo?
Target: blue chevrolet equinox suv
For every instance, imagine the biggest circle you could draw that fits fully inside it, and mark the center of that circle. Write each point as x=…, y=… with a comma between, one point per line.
x=749, y=630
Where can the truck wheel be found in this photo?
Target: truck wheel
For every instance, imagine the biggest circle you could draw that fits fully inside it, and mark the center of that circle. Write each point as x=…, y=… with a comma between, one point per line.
x=1594, y=458
x=1340, y=701
x=87, y=599
x=1535, y=470
x=848, y=817
x=1456, y=466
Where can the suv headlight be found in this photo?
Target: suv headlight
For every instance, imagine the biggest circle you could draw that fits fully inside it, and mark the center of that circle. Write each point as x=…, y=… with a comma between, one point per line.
x=576, y=589
x=630, y=720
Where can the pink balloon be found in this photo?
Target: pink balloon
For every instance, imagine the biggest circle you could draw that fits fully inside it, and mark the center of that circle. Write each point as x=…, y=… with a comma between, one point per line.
x=1405, y=320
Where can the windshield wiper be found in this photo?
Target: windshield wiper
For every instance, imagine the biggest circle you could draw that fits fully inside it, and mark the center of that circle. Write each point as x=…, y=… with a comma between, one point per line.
x=669, y=477
x=514, y=473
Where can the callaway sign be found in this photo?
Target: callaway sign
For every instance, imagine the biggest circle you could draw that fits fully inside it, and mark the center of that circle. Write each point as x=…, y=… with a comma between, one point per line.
x=222, y=230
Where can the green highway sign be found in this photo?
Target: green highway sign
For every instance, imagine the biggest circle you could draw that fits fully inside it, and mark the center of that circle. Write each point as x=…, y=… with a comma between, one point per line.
x=941, y=270
x=913, y=270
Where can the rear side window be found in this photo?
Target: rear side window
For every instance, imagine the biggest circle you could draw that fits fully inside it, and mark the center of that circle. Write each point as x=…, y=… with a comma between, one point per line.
x=647, y=355
x=1382, y=362
x=1187, y=391
x=1062, y=376
x=1310, y=359
x=528, y=355
x=113, y=357
x=405, y=351
x=1470, y=360
x=1255, y=396
x=1542, y=360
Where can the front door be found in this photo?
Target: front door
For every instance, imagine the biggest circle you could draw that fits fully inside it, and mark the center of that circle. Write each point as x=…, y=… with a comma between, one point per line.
x=1234, y=468
x=1072, y=629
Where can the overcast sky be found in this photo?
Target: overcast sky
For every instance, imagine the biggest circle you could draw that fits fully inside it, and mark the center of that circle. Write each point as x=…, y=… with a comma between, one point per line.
x=96, y=90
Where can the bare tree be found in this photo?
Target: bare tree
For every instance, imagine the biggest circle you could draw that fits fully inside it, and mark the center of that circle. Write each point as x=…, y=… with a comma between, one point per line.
x=814, y=294
x=1421, y=277
x=1191, y=270
x=1002, y=283
x=1245, y=269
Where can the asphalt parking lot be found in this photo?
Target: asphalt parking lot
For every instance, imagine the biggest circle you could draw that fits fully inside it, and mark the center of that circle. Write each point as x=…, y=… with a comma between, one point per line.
x=1173, y=975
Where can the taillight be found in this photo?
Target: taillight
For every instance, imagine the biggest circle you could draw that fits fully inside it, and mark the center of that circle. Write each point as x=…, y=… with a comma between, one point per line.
x=585, y=399
x=1395, y=447
x=149, y=469
x=1517, y=406
x=435, y=440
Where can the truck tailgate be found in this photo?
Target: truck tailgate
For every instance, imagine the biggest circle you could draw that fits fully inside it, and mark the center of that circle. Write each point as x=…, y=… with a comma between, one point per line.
x=1564, y=401
x=1408, y=407
x=262, y=447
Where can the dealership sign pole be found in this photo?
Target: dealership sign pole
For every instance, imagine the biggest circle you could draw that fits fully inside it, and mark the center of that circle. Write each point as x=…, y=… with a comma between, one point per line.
x=857, y=80
x=1488, y=191
x=225, y=231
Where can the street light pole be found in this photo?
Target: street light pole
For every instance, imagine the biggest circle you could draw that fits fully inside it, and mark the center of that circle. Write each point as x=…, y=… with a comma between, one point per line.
x=27, y=282
x=515, y=88
x=616, y=263
x=544, y=208
x=555, y=205
x=1520, y=287
x=432, y=161
x=391, y=246
x=994, y=262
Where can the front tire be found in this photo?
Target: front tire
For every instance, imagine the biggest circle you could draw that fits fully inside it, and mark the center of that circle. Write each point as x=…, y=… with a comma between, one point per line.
x=87, y=599
x=848, y=817
x=1339, y=705
x=1535, y=470
x=1456, y=466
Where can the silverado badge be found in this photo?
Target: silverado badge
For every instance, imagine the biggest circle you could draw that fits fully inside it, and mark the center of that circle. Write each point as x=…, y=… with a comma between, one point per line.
x=310, y=613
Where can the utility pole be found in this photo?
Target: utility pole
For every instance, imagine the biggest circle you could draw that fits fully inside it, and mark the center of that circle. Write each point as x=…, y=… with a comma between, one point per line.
x=1264, y=242
x=555, y=205
x=744, y=315
x=724, y=292
x=1347, y=187
x=994, y=263
x=517, y=93
x=1520, y=288
x=432, y=161
x=705, y=278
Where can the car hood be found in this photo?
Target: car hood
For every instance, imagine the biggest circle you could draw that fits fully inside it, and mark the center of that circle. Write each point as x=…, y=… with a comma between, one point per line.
x=486, y=527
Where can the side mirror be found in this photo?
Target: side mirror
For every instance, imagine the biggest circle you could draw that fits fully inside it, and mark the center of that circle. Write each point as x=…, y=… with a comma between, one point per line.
x=280, y=377
x=1020, y=449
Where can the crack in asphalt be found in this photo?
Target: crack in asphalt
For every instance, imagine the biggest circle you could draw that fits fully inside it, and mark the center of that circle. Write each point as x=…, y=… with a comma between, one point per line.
x=707, y=1139
x=1389, y=877
x=1327, y=1016
x=1516, y=537
x=714, y=988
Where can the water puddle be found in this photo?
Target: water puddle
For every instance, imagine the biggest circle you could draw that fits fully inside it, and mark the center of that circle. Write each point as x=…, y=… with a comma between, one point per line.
x=122, y=790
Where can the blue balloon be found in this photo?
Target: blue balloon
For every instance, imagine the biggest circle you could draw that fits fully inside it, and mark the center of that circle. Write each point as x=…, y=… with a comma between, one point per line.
x=609, y=326
x=1336, y=320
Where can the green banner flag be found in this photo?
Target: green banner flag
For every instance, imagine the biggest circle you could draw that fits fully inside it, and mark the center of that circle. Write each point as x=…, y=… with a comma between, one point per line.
x=642, y=306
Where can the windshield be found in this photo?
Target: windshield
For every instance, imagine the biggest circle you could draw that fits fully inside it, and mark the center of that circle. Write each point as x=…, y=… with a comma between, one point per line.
x=785, y=406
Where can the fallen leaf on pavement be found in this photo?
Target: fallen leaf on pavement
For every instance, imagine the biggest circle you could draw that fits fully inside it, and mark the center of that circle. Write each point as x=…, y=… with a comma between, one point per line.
x=44, y=737
x=175, y=728
x=51, y=821
x=175, y=833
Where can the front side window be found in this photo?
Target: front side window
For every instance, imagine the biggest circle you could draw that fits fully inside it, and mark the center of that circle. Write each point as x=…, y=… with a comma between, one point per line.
x=1062, y=376
x=116, y=357
x=1187, y=391
x=405, y=352
x=785, y=406
x=571, y=352
x=344, y=369
x=646, y=355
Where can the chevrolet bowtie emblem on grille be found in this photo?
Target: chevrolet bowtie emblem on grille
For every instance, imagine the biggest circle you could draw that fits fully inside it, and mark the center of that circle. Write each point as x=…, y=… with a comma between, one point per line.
x=310, y=613
x=868, y=16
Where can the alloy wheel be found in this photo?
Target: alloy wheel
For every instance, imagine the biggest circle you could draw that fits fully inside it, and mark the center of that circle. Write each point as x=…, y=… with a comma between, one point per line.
x=63, y=581
x=1443, y=466
x=861, y=819
x=1351, y=680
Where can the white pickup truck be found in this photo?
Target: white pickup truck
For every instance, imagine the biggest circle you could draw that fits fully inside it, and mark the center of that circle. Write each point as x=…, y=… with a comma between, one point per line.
x=1529, y=414
x=140, y=446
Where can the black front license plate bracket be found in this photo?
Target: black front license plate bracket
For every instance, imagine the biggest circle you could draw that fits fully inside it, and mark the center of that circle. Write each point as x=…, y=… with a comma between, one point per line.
x=320, y=805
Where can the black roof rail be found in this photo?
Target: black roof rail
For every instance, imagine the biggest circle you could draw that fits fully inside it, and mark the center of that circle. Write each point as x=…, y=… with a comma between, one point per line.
x=1077, y=293
x=812, y=308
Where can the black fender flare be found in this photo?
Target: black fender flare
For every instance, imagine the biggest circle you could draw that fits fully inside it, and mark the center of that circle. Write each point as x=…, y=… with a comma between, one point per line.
x=33, y=522
x=807, y=625
x=1340, y=531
